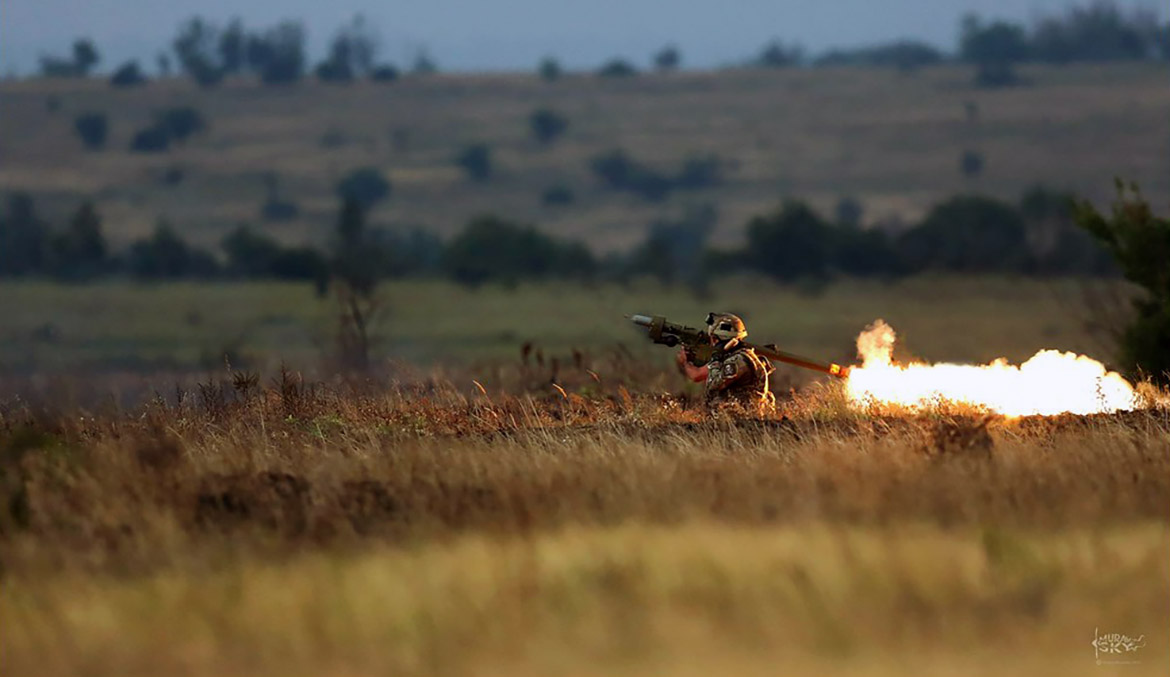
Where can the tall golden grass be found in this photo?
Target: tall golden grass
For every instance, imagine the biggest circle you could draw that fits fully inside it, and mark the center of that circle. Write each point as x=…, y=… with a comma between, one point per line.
x=287, y=529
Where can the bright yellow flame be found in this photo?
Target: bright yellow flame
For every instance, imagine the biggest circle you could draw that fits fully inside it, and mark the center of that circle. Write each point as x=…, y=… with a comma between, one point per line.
x=1051, y=382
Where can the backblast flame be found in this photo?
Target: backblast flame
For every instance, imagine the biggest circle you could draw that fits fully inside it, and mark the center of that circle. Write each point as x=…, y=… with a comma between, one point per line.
x=1050, y=382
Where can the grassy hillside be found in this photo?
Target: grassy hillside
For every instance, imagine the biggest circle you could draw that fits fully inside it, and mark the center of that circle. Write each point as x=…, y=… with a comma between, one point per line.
x=891, y=140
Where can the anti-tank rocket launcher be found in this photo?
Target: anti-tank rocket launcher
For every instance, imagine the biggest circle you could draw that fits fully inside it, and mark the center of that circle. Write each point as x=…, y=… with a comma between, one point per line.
x=700, y=350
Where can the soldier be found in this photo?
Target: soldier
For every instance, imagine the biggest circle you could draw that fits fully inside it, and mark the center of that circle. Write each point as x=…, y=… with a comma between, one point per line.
x=735, y=375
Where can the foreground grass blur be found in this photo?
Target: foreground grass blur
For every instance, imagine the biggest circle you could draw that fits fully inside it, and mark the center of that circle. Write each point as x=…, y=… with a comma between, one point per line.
x=299, y=530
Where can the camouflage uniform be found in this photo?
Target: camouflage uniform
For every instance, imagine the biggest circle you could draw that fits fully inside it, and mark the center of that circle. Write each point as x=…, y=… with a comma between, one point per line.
x=738, y=379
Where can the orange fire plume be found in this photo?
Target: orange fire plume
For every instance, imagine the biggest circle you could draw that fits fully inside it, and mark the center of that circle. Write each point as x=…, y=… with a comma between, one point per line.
x=1050, y=382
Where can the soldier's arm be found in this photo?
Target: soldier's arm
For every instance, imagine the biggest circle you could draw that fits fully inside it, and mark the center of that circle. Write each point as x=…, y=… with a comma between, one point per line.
x=735, y=369
x=696, y=374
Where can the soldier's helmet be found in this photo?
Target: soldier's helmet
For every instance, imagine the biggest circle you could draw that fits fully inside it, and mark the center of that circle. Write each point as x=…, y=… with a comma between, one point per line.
x=725, y=326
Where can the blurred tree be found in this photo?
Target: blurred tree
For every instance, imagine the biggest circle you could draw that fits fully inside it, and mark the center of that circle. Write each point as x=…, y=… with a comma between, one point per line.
x=282, y=54
x=791, y=244
x=674, y=250
x=249, y=254
x=180, y=123
x=166, y=255
x=365, y=187
x=994, y=48
x=355, y=266
x=476, y=161
x=968, y=234
x=24, y=238
x=617, y=68
x=85, y=56
x=778, y=55
x=152, y=139
x=549, y=69
x=1099, y=31
x=128, y=75
x=351, y=54
x=698, y=171
x=547, y=125
x=1058, y=245
x=904, y=55
x=1140, y=242
x=232, y=48
x=424, y=64
x=81, y=61
x=92, y=128
x=668, y=59
x=384, y=73
x=492, y=249
x=80, y=252
x=195, y=48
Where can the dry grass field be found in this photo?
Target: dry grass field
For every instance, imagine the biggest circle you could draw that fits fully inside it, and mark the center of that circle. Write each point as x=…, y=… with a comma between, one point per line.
x=289, y=530
x=891, y=140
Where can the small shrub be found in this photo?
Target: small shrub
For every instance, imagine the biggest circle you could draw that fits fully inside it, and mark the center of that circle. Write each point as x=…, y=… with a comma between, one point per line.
x=492, y=249
x=181, y=122
x=128, y=75
x=547, y=125
x=153, y=139
x=968, y=234
x=385, y=73
x=778, y=55
x=549, y=69
x=617, y=68
x=668, y=59
x=366, y=187
x=93, y=129
x=476, y=161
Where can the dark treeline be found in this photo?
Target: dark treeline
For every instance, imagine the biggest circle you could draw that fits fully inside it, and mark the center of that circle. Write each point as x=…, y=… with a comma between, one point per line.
x=795, y=243
x=208, y=52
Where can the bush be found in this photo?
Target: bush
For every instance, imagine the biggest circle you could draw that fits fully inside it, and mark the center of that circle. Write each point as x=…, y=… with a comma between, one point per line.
x=384, y=73
x=668, y=59
x=674, y=250
x=476, y=161
x=180, y=122
x=128, y=75
x=24, y=238
x=278, y=210
x=557, y=196
x=152, y=139
x=93, y=129
x=619, y=171
x=617, y=68
x=778, y=55
x=549, y=69
x=547, y=125
x=249, y=254
x=166, y=255
x=284, y=54
x=1140, y=243
x=491, y=249
x=905, y=55
x=80, y=251
x=792, y=244
x=968, y=234
x=366, y=186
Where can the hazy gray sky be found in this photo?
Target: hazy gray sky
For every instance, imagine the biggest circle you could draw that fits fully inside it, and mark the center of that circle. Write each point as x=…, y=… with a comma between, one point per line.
x=512, y=34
